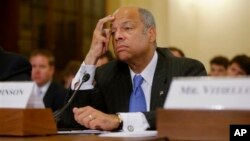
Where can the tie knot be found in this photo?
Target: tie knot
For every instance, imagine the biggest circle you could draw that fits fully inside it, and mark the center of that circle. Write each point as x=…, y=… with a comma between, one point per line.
x=138, y=79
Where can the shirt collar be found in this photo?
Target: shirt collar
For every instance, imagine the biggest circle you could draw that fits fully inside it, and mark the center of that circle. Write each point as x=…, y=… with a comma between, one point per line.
x=45, y=87
x=148, y=72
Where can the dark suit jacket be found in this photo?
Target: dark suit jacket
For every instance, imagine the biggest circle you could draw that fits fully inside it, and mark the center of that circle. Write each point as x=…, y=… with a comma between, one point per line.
x=14, y=67
x=55, y=96
x=113, y=86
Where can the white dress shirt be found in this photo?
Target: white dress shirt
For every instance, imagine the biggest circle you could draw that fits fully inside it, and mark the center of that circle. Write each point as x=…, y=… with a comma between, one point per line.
x=131, y=121
x=43, y=89
x=36, y=98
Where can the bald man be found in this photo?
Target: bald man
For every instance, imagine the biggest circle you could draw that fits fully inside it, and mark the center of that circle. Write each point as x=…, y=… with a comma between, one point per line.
x=106, y=105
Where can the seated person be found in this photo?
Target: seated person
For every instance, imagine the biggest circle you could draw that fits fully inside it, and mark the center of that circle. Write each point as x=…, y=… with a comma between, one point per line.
x=239, y=66
x=218, y=66
x=176, y=52
x=126, y=92
x=14, y=67
x=43, y=68
x=70, y=71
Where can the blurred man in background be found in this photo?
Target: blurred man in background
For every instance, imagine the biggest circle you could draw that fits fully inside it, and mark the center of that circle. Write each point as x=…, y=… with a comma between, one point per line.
x=43, y=68
x=239, y=66
x=218, y=66
x=69, y=72
x=176, y=51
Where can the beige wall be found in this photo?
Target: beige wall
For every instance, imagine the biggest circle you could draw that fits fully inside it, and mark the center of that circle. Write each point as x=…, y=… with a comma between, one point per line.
x=201, y=28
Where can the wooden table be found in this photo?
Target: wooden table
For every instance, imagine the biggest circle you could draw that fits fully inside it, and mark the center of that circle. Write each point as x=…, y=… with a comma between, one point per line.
x=80, y=137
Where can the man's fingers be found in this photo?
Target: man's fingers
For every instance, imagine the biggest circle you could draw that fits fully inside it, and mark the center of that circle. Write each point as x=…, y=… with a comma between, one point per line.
x=94, y=124
x=106, y=32
x=101, y=22
x=93, y=119
x=83, y=115
x=82, y=110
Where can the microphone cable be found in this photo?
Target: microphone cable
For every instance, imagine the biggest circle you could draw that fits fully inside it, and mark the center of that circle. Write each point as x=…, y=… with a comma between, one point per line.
x=57, y=114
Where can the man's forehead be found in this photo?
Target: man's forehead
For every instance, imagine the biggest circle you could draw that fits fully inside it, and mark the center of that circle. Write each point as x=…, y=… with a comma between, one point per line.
x=126, y=10
x=123, y=22
x=126, y=15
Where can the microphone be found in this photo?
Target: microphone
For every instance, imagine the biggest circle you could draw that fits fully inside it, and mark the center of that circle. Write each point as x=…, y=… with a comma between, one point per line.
x=57, y=114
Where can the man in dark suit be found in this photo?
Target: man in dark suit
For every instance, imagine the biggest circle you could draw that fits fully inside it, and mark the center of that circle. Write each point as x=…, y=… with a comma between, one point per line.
x=46, y=90
x=14, y=67
x=108, y=104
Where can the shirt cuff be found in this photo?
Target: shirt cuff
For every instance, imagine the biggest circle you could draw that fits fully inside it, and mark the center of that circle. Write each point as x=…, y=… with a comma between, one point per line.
x=90, y=69
x=134, y=122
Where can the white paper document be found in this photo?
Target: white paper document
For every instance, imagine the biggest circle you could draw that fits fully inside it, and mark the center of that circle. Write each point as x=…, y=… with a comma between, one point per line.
x=101, y=133
x=152, y=133
x=83, y=132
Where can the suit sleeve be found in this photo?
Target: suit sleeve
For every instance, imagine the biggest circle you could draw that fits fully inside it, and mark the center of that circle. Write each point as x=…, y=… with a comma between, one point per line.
x=194, y=68
x=17, y=69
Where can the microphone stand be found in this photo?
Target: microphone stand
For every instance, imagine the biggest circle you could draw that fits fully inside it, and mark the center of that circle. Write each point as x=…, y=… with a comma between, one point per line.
x=57, y=114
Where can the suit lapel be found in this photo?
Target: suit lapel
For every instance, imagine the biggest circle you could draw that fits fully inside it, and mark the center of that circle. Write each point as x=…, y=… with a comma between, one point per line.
x=48, y=97
x=123, y=84
x=161, y=82
x=126, y=87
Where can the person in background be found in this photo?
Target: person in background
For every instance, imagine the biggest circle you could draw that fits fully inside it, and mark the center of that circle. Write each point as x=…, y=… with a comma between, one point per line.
x=70, y=72
x=218, y=66
x=127, y=91
x=105, y=59
x=239, y=66
x=43, y=68
x=176, y=51
x=14, y=67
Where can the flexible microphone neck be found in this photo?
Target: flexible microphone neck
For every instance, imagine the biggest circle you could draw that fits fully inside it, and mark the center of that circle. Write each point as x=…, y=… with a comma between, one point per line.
x=57, y=114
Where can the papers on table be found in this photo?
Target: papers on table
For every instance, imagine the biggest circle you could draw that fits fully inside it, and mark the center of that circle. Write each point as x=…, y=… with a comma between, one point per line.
x=83, y=132
x=130, y=134
x=112, y=134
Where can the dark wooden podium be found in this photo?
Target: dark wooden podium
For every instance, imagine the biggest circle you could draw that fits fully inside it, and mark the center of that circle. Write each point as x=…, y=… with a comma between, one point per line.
x=27, y=122
x=199, y=124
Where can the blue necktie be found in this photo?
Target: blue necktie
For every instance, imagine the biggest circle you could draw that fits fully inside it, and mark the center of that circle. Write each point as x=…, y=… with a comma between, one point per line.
x=137, y=98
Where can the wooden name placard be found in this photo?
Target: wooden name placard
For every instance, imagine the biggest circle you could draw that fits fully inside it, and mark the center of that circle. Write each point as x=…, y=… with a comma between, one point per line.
x=198, y=125
x=26, y=122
